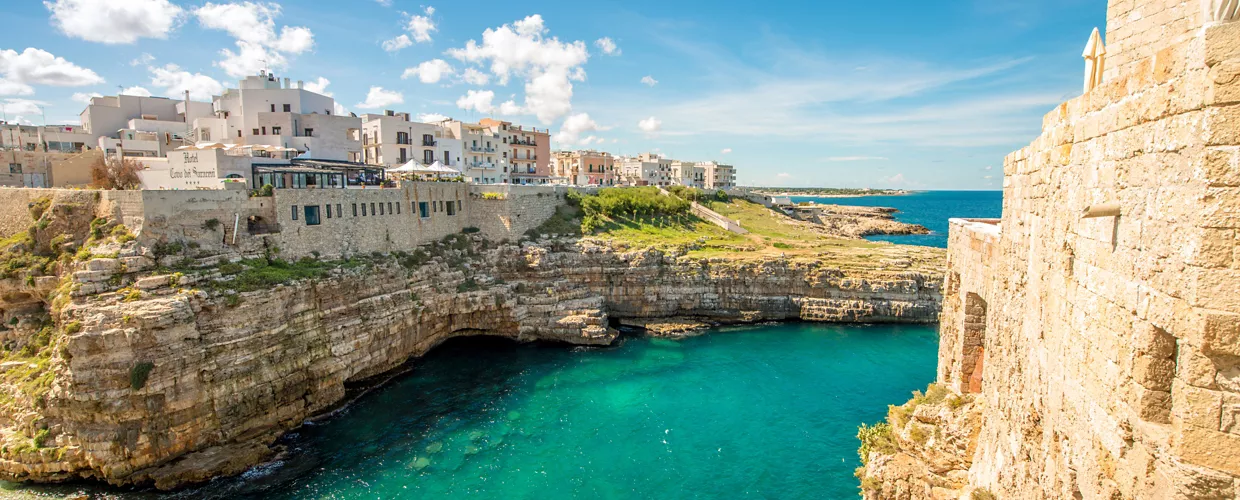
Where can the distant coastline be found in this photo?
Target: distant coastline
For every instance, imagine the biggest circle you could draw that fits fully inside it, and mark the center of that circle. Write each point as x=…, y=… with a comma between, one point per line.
x=832, y=192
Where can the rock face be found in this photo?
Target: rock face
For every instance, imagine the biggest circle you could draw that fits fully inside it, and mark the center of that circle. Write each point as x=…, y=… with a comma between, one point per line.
x=856, y=222
x=1104, y=351
x=165, y=382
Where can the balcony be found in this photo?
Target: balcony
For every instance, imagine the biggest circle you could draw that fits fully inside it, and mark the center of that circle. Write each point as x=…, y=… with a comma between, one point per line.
x=430, y=143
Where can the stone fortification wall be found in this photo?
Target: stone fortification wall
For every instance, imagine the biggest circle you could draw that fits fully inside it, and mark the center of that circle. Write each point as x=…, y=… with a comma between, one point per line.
x=505, y=212
x=123, y=206
x=208, y=218
x=370, y=220
x=1105, y=350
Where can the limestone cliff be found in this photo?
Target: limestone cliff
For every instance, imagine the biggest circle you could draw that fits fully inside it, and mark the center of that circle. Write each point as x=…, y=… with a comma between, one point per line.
x=169, y=377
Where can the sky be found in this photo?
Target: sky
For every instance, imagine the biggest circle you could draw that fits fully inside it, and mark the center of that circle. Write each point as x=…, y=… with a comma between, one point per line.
x=884, y=94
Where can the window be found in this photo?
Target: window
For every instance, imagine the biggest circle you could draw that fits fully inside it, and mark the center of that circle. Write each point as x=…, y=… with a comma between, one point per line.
x=424, y=209
x=273, y=108
x=389, y=207
x=264, y=130
x=309, y=132
x=458, y=205
x=398, y=209
x=275, y=130
x=288, y=108
x=312, y=215
x=329, y=210
x=355, y=209
x=339, y=212
x=381, y=212
x=294, y=212
x=372, y=208
x=451, y=209
x=255, y=132
x=363, y=210
x=15, y=168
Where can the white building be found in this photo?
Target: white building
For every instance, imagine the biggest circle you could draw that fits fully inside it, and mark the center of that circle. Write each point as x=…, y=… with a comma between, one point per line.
x=392, y=139
x=688, y=174
x=483, y=154
x=198, y=167
x=45, y=156
x=267, y=111
x=646, y=169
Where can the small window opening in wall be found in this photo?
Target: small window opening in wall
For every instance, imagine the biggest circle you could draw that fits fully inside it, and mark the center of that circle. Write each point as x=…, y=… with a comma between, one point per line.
x=424, y=209
x=372, y=208
x=355, y=209
x=312, y=215
x=381, y=212
x=398, y=209
x=329, y=211
x=389, y=207
x=339, y=212
x=294, y=212
x=451, y=209
x=363, y=210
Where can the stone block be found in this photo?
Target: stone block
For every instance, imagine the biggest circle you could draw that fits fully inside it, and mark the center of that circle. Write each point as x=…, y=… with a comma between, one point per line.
x=1216, y=248
x=1196, y=406
x=1208, y=447
x=1222, y=126
x=1215, y=288
x=1222, y=43
x=1153, y=406
x=1153, y=341
x=151, y=282
x=1154, y=373
x=106, y=265
x=1222, y=333
x=1222, y=166
x=1224, y=82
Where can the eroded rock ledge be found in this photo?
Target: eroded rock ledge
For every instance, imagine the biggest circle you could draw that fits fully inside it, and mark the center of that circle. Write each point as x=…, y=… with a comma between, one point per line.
x=166, y=380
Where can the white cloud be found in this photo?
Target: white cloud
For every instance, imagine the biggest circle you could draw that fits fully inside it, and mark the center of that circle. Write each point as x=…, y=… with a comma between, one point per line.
x=339, y=110
x=431, y=117
x=14, y=88
x=422, y=26
x=142, y=60
x=174, y=81
x=608, y=46
x=726, y=150
x=319, y=86
x=474, y=77
x=783, y=175
x=385, y=3
x=39, y=67
x=510, y=107
x=254, y=28
x=857, y=158
x=21, y=120
x=573, y=127
x=548, y=65
x=988, y=167
x=138, y=91
x=378, y=98
x=84, y=98
x=895, y=179
x=989, y=177
x=113, y=21
x=429, y=72
x=22, y=107
x=649, y=80
x=478, y=100
x=397, y=43
x=651, y=126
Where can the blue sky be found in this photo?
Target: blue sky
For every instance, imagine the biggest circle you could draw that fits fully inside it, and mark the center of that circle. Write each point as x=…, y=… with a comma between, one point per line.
x=911, y=94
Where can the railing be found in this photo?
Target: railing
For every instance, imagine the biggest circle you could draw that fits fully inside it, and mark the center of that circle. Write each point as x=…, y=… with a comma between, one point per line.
x=429, y=143
x=712, y=216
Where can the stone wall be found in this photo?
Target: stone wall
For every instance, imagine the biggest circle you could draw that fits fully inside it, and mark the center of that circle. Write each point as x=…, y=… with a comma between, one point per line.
x=373, y=220
x=123, y=206
x=1108, y=357
x=505, y=212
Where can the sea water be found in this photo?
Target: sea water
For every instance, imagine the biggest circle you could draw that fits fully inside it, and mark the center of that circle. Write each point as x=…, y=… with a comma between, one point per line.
x=928, y=208
x=764, y=411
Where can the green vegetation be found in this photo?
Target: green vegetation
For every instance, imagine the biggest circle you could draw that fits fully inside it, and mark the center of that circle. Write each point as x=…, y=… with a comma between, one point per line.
x=260, y=274
x=39, y=206
x=139, y=373
x=875, y=438
x=266, y=191
x=830, y=191
x=494, y=196
x=983, y=494
x=40, y=438
x=211, y=224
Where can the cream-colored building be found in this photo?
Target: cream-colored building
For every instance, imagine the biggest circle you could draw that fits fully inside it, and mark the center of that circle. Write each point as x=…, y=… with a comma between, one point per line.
x=392, y=139
x=45, y=156
x=583, y=168
x=482, y=152
x=687, y=173
x=646, y=169
x=717, y=175
x=528, y=151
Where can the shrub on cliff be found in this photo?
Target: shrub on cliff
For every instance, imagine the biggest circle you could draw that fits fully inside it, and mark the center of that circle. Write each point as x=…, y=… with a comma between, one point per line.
x=113, y=174
x=633, y=202
x=139, y=373
x=875, y=438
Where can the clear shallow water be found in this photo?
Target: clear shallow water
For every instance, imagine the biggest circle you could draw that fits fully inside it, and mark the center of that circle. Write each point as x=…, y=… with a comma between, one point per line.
x=928, y=208
x=765, y=411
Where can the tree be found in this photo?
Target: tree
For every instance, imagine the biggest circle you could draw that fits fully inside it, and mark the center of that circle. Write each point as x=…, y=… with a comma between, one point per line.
x=113, y=174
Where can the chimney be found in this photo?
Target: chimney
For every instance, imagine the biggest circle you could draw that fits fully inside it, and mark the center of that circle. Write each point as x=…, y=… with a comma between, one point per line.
x=388, y=112
x=301, y=84
x=286, y=83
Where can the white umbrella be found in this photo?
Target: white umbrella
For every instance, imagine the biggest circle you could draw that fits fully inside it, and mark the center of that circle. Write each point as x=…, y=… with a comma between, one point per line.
x=412, y=166
x=439, y=168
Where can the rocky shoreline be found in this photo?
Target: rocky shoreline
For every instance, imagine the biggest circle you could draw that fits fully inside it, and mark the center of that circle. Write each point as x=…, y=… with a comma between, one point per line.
x=171, y=378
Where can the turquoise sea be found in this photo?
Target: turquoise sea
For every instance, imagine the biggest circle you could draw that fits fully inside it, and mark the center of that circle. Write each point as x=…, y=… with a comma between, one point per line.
x=928, y=208
x=764, y=411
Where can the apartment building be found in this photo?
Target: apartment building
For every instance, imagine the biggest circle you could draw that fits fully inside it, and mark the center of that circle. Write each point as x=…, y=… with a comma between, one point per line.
x=686, y=173
x=392, y=139
x=528, y=151
x=482, y=152
x=646, y=169
x=717, y=175
x=45, y=156
x=266, y=111
x=583, y=168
